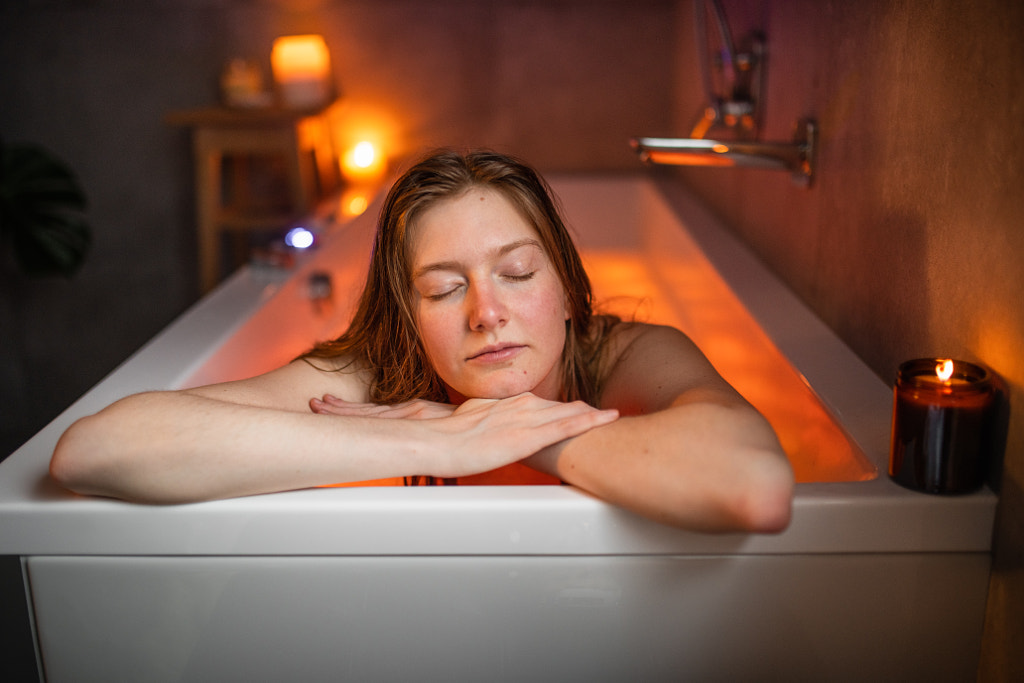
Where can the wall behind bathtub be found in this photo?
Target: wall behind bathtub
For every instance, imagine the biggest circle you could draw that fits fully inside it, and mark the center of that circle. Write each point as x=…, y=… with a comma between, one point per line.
x=563, y=83
x=911, y=242
x=908, y=245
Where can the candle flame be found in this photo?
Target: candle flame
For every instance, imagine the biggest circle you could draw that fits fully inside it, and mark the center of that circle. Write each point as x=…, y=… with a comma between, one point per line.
x=363, y=154
x=944, y=370
x=365, y=161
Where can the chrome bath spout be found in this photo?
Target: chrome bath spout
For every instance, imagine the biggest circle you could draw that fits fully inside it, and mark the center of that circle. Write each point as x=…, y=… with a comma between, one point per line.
x=796, y=157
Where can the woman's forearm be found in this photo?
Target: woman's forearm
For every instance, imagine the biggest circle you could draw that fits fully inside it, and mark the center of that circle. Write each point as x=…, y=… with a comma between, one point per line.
x=169, y=447
x=700, y=466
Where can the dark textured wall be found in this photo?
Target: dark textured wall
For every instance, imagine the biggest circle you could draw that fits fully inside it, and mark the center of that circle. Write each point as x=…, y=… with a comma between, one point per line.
x=910, y=243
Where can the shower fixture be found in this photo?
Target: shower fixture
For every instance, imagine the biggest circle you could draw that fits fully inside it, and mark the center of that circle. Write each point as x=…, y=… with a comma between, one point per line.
x=732, y=80
x=733, y=83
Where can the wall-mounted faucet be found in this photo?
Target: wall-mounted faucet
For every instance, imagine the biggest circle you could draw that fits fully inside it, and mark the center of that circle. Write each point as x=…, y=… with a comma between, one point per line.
x=797, y=157
x=733, y=83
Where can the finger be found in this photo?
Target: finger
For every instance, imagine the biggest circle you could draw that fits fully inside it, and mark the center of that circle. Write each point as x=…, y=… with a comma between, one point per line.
x=334, y=400
x=553, y=410
x=555, y=424
x=571, y=424
x=330, y=405
x=397, y=411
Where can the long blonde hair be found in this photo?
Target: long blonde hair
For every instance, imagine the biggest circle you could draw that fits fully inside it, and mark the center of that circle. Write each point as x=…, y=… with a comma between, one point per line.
x=383, y=337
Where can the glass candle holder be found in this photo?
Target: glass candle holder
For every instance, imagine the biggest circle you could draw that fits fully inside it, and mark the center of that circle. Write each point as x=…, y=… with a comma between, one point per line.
x=941, y=422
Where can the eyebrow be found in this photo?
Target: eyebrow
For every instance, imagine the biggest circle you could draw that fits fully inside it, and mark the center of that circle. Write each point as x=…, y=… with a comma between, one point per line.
x=496, y=253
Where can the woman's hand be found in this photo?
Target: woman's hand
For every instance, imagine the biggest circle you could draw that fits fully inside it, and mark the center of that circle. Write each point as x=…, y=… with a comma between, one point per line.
x=483, y=434
x=413, y=410
x=507, y=430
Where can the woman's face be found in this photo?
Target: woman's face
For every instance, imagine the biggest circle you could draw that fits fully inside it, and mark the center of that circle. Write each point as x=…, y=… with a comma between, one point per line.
x=490, y=308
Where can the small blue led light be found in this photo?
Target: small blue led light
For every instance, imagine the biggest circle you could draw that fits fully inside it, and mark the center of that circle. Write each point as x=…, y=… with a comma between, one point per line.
x=299, y=238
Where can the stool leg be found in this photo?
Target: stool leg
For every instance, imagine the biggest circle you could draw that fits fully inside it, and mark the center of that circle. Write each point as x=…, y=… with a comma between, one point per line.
x=208, y=206
x=300, y=176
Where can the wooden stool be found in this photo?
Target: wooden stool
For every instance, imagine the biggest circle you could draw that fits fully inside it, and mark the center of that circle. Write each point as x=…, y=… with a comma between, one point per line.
x=301, y=139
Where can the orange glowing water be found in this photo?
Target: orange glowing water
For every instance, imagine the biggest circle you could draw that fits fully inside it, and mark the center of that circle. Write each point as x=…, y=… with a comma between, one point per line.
x=818, y=449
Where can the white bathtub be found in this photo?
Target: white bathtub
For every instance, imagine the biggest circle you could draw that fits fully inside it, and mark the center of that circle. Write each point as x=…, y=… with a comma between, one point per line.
x=515, y=582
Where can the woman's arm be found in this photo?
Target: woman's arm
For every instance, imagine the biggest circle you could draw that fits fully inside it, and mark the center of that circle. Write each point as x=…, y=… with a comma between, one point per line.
x=689, y=450
x=258, y=435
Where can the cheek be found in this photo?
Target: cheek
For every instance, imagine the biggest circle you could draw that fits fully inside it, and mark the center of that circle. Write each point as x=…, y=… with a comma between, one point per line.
x=549, y=314
x=435, y=333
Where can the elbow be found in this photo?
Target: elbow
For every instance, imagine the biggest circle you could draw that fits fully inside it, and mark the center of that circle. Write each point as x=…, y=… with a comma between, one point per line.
x=117, y=453
x=70, y=464
x=765, y=503
x=89, y=457
x=769, y=513
x=101, y=454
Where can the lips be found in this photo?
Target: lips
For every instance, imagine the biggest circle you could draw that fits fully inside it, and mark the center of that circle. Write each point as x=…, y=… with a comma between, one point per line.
x=496, y=353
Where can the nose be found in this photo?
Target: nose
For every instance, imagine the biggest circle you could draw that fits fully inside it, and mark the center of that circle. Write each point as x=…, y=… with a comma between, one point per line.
x=487, y=309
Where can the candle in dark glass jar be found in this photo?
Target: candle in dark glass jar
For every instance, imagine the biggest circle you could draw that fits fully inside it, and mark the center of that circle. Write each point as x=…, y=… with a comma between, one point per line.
x=941, y=422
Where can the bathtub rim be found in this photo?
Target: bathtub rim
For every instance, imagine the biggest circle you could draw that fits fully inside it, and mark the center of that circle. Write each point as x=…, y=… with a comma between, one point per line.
x=37, y=517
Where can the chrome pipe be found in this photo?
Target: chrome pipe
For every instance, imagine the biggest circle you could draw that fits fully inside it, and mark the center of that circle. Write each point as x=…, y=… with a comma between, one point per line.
x=797, y=157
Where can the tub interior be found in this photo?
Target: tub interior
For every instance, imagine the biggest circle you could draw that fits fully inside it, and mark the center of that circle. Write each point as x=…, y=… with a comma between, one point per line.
x=643, y=265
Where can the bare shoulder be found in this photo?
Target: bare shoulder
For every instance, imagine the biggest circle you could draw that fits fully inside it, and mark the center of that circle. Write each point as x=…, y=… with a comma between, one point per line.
x=291, y=386
x=649, y=366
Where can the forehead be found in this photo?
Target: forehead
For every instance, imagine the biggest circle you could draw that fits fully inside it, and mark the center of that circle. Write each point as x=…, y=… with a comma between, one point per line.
x=480, y=218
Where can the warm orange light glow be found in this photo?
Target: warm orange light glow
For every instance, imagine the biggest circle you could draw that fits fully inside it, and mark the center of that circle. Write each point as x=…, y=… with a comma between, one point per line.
x=676, y=158
x=356, y=206
x=944, y=370
x=363, y=154
x=366, y=138
x=354, y=202
x=364, y=161
x=300, y=57
x=302, y=67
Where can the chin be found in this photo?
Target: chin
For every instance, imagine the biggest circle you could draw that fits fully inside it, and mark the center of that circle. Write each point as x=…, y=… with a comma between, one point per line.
x=494, y=391
x=505, y=385
x=500, y=393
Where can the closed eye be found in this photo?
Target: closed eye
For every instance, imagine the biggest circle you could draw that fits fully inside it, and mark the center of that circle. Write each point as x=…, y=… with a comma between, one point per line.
x=521, y=278
x=440, y=295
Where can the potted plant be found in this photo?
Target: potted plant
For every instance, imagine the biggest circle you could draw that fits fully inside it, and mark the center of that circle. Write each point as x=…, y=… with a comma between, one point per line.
x=41, y=205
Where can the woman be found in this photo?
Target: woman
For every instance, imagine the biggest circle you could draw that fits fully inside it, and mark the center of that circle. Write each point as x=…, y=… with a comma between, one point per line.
x=474, y=346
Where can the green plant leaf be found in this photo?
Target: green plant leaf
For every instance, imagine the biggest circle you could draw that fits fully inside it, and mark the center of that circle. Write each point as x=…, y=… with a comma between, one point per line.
x=40, y=203
x=31, y=175
x=55, y=245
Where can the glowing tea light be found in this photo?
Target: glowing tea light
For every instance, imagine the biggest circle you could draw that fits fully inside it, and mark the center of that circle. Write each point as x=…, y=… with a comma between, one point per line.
x=364, y=161
x=302, y=70
x=944, y=370
x=363, y=154
x=942, y=425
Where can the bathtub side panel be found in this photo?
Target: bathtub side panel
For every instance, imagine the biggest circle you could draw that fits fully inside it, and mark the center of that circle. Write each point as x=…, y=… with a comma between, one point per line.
x=651, y=618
